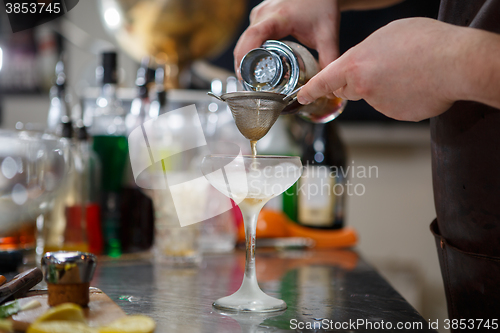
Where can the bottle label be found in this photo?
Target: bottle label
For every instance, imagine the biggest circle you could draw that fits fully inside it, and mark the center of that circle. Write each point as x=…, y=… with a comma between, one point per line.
x=316, y=202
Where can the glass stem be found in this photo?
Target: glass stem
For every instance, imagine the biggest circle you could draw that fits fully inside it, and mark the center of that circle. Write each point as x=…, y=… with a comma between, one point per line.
x=250, y=230
x=250, y=215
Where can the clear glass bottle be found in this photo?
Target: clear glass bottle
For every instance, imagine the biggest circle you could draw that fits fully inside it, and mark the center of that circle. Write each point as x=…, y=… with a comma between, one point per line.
x=89, y=173
x=158, y=104
x=110, y=143
x=139, y=109
x=65, y=227
x=59, y=107
x=54, y=221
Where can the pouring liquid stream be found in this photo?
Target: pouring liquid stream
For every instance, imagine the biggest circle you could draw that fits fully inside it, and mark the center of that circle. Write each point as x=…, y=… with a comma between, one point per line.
x=253, y=145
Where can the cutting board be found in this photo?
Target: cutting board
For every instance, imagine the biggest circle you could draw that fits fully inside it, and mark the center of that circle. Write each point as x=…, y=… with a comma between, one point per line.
x=101, y=311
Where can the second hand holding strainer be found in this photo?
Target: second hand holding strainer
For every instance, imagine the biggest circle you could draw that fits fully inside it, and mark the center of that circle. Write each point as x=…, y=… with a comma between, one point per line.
x=255, y=112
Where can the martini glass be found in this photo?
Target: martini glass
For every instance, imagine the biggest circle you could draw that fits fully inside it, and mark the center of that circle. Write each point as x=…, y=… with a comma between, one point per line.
x=251, y=181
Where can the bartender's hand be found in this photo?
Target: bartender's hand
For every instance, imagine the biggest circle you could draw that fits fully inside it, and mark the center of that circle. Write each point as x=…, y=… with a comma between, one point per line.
x=403, y=70
x=408, y=70
x=313, y=23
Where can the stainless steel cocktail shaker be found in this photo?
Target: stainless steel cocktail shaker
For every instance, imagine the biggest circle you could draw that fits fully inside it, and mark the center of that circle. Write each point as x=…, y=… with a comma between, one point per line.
x=281, y=67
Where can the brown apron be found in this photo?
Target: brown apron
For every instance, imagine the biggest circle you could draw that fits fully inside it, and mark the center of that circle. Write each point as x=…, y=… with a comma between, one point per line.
x=466, y=180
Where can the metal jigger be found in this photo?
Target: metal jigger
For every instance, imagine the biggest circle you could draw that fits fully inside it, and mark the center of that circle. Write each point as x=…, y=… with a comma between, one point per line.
x=68, y=276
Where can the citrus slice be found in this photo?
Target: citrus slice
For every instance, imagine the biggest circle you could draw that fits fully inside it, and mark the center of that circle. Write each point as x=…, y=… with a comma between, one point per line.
x=130, y=324
x=60, y=326
x=67, y=312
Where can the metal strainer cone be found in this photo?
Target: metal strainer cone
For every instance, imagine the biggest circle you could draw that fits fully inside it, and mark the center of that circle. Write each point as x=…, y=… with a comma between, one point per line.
x=254, y=112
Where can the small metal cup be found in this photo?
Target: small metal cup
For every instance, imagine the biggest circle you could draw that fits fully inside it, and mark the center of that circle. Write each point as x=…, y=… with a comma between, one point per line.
x=68, y=276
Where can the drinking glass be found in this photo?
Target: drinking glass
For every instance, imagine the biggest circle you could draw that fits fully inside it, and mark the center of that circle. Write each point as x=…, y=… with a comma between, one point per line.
x=32, y=168
x=251, y=181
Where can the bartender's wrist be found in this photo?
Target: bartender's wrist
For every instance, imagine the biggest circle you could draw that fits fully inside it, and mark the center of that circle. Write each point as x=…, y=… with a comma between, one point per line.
x=478, y=67
x=453, y=63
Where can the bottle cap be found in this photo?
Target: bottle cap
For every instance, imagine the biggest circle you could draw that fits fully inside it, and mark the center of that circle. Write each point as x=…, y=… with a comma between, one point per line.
x=82, y=133
x=67, y=128
x=162, y=97
x=109, y=66
x=145, y=75
x=60, y=75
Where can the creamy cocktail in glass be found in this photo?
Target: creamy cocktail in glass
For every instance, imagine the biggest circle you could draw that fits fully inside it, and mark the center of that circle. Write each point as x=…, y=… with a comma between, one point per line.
x=251, y=181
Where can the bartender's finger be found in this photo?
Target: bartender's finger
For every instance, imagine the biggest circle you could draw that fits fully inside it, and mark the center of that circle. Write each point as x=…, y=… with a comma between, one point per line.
x=325, y=82
x=255, y=35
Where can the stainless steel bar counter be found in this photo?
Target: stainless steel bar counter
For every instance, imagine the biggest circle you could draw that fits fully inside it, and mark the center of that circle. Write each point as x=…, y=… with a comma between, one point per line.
x=327, y=290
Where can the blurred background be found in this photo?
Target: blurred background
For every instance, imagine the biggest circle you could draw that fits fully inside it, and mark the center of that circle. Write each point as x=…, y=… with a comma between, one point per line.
x=391, y=218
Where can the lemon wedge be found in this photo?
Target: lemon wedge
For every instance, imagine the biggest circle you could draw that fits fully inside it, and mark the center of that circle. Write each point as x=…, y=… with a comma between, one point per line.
x=67, y=312
x=130, y=324
x=60, y=326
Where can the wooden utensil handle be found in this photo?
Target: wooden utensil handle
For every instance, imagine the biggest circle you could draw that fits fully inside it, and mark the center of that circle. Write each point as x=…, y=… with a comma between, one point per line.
x=20, y=284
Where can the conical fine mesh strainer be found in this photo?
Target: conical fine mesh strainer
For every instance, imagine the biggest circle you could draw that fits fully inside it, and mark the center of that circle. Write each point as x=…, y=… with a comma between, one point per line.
x=255, y=112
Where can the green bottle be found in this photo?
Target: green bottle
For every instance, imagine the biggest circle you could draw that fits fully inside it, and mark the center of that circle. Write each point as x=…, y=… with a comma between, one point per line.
x=111, y=145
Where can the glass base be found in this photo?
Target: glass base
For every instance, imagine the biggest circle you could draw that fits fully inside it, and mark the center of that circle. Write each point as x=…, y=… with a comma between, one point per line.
x=250, y=301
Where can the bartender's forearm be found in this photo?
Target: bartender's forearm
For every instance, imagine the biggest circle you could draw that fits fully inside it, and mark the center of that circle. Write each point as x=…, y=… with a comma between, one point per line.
x=366, y=4
x=479, y=63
